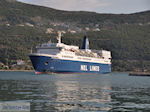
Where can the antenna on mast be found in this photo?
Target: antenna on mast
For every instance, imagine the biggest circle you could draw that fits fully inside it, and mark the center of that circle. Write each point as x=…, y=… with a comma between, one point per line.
x=31, y=50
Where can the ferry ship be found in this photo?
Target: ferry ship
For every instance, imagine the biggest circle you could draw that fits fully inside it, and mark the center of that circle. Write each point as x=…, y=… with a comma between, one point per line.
x=61, y=58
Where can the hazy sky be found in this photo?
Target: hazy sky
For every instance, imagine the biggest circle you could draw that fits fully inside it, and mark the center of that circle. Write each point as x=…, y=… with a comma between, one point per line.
x=100, y=6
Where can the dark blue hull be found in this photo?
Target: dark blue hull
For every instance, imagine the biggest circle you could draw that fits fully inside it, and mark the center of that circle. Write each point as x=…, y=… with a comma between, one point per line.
x=47, y=64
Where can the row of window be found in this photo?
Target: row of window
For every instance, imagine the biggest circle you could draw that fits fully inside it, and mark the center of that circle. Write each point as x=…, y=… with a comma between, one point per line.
x=60, y=62
x=67, y=56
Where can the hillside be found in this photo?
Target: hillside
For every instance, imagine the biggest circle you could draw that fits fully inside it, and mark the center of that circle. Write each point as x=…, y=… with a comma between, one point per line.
x=23, y=26
x=21, y=12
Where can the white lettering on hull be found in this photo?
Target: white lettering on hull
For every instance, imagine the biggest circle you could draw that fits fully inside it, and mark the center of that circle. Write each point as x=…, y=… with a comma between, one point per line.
x=84, y=67
x=94, y=68
x=91, y=68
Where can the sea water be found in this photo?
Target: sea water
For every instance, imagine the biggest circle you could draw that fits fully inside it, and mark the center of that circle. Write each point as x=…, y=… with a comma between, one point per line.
x=114, y=92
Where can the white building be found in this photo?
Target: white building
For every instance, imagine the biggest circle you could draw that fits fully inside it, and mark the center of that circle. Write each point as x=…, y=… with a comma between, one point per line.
x=49, y=30
x=20, y=62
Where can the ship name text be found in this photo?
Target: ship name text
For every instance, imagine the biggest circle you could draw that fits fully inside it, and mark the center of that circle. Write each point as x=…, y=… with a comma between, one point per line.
x=91, y=68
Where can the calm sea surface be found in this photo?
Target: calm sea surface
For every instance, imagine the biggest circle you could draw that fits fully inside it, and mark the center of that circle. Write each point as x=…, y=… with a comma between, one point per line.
x=115, y=92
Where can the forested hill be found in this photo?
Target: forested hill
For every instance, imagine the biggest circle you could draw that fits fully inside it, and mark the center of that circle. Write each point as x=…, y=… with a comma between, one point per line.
x=23, y=26
x=16, y=12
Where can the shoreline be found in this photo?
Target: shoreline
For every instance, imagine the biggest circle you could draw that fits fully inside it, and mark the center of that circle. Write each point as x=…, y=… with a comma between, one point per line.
x=34, y=71
x=16, y=70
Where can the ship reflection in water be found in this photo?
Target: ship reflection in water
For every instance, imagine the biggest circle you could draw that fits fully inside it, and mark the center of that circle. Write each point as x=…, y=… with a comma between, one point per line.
x=78, y=93
x=82, y=95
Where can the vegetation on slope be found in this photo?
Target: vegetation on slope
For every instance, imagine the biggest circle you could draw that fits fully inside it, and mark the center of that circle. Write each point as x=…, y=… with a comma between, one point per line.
x=126, y=35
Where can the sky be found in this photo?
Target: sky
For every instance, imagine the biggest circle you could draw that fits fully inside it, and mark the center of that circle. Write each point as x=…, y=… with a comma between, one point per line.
x=99, y=6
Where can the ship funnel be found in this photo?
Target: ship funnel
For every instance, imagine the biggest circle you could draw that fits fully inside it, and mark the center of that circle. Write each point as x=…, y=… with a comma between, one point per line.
x=85, y=44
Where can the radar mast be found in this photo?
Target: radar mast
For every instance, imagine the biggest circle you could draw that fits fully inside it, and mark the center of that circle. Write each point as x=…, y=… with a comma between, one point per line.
x=59, y=37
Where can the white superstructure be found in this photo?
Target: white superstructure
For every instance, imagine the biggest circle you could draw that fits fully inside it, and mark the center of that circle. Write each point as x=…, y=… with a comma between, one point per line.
x=70, y=52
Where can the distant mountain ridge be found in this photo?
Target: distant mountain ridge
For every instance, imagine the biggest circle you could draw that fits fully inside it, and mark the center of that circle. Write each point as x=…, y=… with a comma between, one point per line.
x=21, y=12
